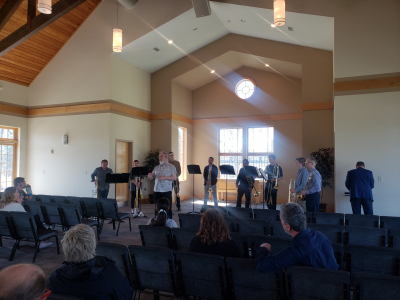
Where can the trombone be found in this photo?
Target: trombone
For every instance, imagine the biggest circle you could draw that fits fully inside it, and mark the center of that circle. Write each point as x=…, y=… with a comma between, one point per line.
x=292, y=196
x=276, y=177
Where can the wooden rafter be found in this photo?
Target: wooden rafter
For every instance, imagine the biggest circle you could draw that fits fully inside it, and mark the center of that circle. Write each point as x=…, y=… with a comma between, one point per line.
x=7, y=10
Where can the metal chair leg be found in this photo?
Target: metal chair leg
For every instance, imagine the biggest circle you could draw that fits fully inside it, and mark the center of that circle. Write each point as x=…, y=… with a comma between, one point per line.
x=119, y=223
x=37, y=244
x=58, y=246
x=130, y=227
x=13, y=250
x=98, y=234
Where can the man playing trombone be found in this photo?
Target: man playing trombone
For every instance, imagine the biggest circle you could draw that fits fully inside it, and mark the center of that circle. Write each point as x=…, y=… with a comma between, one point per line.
x=301, y=179
x=275, y=175
x=242, y=184
x=210, y=175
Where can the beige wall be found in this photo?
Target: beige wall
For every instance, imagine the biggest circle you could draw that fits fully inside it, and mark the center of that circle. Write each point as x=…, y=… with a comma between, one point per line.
x=13, y=93
x=181, y=100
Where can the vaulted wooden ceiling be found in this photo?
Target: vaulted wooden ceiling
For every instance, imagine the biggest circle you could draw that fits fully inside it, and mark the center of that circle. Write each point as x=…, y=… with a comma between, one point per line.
x=24, y=63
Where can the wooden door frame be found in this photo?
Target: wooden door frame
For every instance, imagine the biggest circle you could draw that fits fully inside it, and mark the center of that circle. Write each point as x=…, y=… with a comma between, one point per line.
x=130, y=161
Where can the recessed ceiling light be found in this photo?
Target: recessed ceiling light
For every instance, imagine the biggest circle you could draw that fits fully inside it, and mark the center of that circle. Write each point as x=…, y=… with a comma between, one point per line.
x=273, y=25
x=243, y=21
x=212, y=71
x=267, y=65
x=170, y=42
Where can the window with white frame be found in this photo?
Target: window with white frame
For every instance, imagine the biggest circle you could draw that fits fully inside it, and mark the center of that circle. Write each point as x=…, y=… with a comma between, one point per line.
x=231, y=149
x=8, y=156
x=260, y=145
x=182, y=150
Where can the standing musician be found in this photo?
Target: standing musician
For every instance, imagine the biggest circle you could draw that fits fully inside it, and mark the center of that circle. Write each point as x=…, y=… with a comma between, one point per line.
x=175, y=183
x=133, y=186
x=301, y=179
x=100, y=172
x=275, y=173
x=243, y=187
x=313, y=186
x=210, y=175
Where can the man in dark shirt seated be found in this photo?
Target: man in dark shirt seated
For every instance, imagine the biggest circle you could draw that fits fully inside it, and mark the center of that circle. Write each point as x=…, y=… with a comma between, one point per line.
x=309, y=248
x=84, y=274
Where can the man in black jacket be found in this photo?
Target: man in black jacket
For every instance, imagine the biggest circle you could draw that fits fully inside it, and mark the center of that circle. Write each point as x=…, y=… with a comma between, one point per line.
x=210, y=175
x=84, y=274
x=243, y=187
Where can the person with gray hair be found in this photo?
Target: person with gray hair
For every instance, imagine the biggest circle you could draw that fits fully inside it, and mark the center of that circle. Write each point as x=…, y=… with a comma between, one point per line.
x=313, y=186
x=22, y=282
x=308, y=248
x=84, y=274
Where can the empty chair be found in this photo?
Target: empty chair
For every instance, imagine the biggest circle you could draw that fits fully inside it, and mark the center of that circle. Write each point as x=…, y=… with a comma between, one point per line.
x=76, y=201
x=317, y=283
x=156, y=236
x=247, y=226
x=338, y=252
x=333, y=232
x=362, y=220
x=372, y=287
x=108, y=209
x=51, y=214
x=201, y=275
x=24, y=227
x=45, y=198
x=222, y=209
x=241, y=240
x=7, y=231
x=191, y=221
x=119, y=254
x=35, y=208
x=59, y=199
x=328, y=218
x=90, y=207
x=394, y=238
x=270, y=215
x=239, y=212
x=309, y=216
x=390, y=222
x=276, y=230
x=365, y=236
x=154, y=269
x=277, y=243
x=369, y=259
x=247, y=283
x=182, y=237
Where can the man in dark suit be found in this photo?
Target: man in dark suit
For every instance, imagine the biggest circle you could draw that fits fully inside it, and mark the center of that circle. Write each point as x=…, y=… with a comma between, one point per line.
x=360, y=183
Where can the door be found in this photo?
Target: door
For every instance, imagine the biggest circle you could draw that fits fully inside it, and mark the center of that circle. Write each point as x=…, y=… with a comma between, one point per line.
x=123, y=165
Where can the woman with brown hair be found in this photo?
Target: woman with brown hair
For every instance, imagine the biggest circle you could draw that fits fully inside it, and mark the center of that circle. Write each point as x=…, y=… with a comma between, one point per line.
x=213, y=237
x=11, y=200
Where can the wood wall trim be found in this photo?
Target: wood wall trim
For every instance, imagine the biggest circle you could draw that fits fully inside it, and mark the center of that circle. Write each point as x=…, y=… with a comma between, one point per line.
x=369, y=84
x=13, y=110
x=68, y=110
x=316, y=106
x=264, y=118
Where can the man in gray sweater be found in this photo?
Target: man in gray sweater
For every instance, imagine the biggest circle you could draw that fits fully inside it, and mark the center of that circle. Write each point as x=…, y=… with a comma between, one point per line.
x=101, y=172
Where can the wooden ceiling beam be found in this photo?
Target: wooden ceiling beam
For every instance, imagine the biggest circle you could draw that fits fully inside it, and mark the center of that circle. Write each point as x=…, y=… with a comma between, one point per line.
x=7, y=10
x=59, y=9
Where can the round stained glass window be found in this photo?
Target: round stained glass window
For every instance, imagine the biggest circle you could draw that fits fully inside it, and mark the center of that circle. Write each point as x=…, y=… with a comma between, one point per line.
x=245, y=88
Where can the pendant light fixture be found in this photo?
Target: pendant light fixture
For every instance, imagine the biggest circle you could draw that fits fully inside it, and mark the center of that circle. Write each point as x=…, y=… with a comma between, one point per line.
x=117, y=36
x=279, y=13
x=44, y=6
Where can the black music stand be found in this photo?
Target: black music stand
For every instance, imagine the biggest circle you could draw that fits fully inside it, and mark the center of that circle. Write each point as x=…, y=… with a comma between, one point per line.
x=226, y=170
x=193, y=169
x=139, y=172
x=265, y=178
x=117, y=178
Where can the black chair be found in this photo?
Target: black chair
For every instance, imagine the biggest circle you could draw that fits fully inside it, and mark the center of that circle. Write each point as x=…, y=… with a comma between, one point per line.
x=45, y=198
x=246, y=283
x=182, y=237
x=156, y=236
x=6, y=230
x=269, y=215
x=222, y=209
x=371, y=287
x=247, y=226
x=394, y=238
x=239, y=212
x=201, y=275
x=60, y=199
x=362, y=220
x=317, y=283
x=338, y=252
x=241, y=240
x=51, y=214
x=70, y=216
x=365, y=236
x=277, y=243
x=390, y=222
x=309, y=217
x=76, y=201
x=328, y=218
x=54, y=296
x=24, y=227
x=369, y=259
x=189, y=221
x=154, y=269
x=35, y=208
x=333, y=232
x=90, y=207
x=119, y=254
x=108, y=209
x=276, y=230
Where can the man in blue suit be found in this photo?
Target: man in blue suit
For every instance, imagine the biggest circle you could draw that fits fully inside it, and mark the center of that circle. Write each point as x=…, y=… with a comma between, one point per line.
x=360, y=183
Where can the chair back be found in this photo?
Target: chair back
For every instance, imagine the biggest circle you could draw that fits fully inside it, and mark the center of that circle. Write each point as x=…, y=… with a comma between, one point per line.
x=153, y=268
x=390, y=222
x=301, y=283
x=270, y=215
x=240, y=212
x=362, y=220
x=309, y=217
x=90, y=207
x=156, y=236
x=190, y=221
x=23, y=225
x=394, y=238
x=333, y=232
x=77, y=202
x=108, y=208
x=201, y=275
x=248, y=226
x=246, y=283
x=241, y=240
x=277, y=243
x=328, y=218
x=35, y=208
x=372, y=287
x=69, y=215
x=365, y=236
x=338, y=252
x=5, y=225
x=45, y=198
x=60, y=199
x=182, y=237
x=51, y=213
x=222, y=209
x=277, y=230
x=119, y=254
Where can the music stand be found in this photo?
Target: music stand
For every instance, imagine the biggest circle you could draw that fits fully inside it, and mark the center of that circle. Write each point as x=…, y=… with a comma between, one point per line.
x=139, y=172
x=117, y=178
x=193, y=169
x=226, y=170
x=264, y=177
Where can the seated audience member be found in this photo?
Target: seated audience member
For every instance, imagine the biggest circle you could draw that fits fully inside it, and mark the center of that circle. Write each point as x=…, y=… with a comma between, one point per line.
x=22, y=282
x=20, y=184
x=309, y=248
x=11, y=201
x=162, y=217
x=213, y=237
x=84, y=274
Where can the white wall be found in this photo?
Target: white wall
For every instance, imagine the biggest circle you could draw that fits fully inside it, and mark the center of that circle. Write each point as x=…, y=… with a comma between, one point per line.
x=66, y=171
x=13, y=93
x=367, y=128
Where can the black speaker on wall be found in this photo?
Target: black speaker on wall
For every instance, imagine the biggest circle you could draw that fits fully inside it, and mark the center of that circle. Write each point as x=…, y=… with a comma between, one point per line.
x=201, y=8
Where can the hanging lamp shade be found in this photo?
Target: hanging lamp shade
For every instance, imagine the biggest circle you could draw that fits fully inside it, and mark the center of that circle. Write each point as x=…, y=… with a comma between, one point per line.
x=44, y=6
x=279, y=13
x=117, y=40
